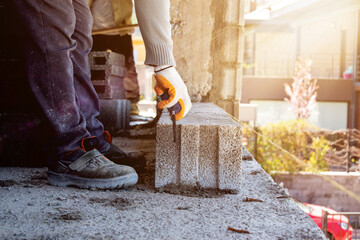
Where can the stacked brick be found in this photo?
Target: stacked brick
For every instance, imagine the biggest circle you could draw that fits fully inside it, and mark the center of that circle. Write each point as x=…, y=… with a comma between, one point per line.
x=107, y=74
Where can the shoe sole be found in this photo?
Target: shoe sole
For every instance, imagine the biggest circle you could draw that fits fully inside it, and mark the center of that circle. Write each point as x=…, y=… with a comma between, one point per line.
x=67, y=180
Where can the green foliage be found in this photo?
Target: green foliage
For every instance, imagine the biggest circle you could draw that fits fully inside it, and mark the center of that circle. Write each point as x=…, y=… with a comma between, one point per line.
x=318, y=149
x=298, y=138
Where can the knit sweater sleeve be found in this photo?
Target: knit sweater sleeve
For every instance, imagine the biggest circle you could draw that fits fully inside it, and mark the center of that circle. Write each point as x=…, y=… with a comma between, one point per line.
x=154, y=22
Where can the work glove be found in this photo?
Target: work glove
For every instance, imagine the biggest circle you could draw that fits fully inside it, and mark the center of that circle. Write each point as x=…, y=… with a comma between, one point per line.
x=168, y=79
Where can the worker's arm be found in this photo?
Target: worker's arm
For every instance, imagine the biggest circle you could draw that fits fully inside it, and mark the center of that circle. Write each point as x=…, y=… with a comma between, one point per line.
x=154, y=22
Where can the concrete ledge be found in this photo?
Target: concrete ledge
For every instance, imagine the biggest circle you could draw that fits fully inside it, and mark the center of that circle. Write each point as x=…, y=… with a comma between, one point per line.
x=207, y=152
x=144, y=213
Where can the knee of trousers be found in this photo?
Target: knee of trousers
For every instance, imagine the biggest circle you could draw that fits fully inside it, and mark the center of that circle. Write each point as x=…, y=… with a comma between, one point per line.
x=82, y=33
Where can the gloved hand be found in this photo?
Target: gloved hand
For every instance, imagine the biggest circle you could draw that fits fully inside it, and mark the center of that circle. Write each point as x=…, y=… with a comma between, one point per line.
x=167, y=78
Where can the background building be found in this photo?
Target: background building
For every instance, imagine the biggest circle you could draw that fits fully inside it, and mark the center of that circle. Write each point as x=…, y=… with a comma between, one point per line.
x=278, y=32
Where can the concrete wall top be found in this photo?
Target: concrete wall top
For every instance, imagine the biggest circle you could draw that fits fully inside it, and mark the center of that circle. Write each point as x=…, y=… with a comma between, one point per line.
x=207, y=114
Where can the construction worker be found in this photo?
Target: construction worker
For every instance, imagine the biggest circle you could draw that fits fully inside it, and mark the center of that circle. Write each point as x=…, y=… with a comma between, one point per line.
x=57, y=46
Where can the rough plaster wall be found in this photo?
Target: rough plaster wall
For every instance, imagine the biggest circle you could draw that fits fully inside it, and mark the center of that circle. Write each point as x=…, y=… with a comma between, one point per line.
x=192, y=26
x=227, y=43
x=208, y=48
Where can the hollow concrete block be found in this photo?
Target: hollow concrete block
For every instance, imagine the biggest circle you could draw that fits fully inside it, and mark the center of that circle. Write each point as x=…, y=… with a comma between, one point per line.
x=102, y=60
x=207, y=152
x=107, y=74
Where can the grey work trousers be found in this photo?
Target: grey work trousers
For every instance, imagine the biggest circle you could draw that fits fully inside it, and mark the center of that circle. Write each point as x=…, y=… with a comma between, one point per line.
x=58, y=72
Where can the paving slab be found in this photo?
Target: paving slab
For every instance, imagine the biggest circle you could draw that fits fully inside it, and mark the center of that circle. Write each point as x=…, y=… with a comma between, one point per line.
x=207, y=153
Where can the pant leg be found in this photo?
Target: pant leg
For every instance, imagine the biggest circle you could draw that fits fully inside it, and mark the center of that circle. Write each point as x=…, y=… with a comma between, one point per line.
x=50, y=25
x=88, y=100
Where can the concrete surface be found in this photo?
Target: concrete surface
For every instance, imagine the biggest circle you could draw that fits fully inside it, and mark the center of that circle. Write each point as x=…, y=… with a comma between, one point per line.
x=207, y=152
x=31, y=209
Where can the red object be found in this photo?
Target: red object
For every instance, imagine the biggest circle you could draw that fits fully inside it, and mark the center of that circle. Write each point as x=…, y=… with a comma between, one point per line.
x=336, y=223
x=348, y=75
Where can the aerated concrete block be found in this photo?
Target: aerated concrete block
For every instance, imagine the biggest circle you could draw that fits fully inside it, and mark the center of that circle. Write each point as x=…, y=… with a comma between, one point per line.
x=207, y=153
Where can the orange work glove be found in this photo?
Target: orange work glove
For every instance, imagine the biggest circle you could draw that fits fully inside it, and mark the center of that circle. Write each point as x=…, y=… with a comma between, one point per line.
x=169, y=79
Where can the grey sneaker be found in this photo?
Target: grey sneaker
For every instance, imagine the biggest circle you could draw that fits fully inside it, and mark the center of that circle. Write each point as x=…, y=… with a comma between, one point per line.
x=92, y=170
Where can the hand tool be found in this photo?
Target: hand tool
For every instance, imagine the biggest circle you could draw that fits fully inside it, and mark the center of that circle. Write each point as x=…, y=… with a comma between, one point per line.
x=172, y=110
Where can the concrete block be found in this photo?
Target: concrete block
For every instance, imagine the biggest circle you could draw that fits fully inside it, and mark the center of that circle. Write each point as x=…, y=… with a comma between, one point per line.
x=167, y=155
x=100, y=60
x=207, y=152
x=115, y=114
x=230, y=147
x=107, y=74
x=189, y=154
x=110, y=88
x=119, y=71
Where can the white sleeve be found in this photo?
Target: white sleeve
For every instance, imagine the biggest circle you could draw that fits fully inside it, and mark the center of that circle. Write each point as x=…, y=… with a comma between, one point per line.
x=154, y=22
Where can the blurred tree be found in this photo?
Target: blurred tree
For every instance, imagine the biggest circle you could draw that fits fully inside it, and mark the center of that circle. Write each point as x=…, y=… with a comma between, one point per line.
x=303, y=91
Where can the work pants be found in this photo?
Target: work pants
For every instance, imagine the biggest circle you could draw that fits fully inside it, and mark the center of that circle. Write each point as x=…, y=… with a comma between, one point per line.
x=59, y=41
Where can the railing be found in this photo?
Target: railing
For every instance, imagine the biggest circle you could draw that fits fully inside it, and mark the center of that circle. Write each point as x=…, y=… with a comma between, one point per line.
x=283, y=64
x=344, y=154
x=333, y=222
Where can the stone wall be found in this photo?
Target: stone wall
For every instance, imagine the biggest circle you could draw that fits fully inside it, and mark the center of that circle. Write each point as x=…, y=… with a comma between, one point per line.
x=311, y=188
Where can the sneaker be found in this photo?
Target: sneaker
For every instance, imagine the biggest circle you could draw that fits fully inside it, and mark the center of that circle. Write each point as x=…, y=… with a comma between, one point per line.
x=91, y=170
